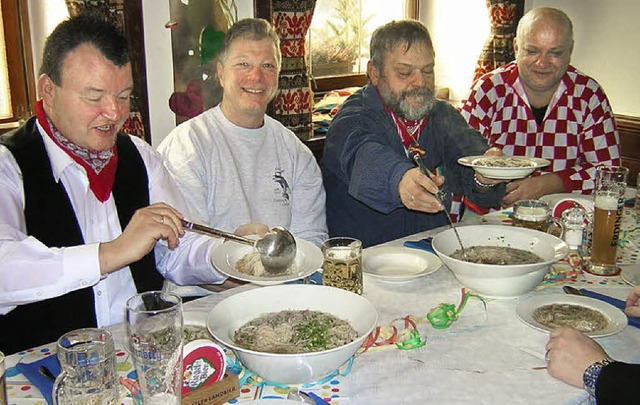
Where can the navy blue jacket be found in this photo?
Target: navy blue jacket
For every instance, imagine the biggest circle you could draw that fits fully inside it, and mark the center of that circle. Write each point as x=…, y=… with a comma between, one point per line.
x=364, y=160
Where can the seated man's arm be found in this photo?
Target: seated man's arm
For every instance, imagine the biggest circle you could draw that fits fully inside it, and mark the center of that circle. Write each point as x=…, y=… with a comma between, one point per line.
x=308, y=216
x=29, y=270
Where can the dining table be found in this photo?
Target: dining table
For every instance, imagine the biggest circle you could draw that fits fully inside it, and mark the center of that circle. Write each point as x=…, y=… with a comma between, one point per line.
x=488, y=355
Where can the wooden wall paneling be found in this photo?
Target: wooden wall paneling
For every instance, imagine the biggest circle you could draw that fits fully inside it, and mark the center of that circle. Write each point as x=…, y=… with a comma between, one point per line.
x=629, y=129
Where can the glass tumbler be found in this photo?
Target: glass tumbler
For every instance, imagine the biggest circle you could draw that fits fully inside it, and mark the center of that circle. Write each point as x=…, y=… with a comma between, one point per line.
x=342, y=265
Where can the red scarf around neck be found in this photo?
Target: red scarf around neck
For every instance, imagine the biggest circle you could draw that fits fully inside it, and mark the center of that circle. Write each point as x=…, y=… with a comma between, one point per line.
x=100, y=182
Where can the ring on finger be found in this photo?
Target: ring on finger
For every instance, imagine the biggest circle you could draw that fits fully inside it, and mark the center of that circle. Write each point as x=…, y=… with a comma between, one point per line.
x=162, y=219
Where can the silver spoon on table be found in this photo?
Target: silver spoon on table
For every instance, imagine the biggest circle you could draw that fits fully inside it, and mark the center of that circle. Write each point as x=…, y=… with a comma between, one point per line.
x=277, y=248
x=440, y=196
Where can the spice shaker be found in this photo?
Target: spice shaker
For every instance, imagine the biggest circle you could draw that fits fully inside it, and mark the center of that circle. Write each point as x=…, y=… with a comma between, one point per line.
x=573, y=221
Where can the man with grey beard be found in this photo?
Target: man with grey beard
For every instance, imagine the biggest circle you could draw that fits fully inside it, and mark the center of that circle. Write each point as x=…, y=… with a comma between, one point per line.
x=375, y=192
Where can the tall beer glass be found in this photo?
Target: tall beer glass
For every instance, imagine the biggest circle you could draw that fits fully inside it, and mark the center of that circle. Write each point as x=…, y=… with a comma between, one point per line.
x=611, y=182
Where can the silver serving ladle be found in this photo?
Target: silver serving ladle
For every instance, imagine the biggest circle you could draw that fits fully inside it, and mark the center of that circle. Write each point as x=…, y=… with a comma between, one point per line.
x=440, y=196
x=277, y=248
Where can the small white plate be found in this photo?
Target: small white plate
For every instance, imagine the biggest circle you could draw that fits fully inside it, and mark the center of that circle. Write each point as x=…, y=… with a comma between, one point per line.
x=395, y=263
x=631, y=275
x=225, y=256
x=504, y=172
x=526, y=308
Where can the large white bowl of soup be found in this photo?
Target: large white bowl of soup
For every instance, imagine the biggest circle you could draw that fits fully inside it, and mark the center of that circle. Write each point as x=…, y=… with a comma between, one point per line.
x=293, y=334
x=505, y=261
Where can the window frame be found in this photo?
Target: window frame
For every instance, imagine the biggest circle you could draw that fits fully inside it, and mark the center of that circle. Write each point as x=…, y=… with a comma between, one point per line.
x=15, y=17
x=321, y=85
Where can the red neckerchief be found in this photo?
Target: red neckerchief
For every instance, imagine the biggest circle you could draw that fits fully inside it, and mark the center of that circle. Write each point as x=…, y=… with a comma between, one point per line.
x=408, y=130
x=100, y=180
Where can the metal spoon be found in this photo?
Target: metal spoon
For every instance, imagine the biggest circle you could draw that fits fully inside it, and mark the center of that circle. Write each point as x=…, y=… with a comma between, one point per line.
x=277, y=248
x=440, y=196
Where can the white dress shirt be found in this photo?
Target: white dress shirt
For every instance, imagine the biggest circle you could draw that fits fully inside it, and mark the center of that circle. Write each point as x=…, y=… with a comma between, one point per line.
x=31, y=271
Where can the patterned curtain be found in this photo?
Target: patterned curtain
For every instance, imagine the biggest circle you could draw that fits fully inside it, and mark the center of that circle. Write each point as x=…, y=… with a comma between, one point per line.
x=294, y=100
x=498, y=49
x=113, y=10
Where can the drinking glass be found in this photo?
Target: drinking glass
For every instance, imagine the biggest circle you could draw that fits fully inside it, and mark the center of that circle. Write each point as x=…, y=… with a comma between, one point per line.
x=3, y=384
x=536, y=215
x=342, y=266
x=154, y=330
x=611, y=182
x=88, y=362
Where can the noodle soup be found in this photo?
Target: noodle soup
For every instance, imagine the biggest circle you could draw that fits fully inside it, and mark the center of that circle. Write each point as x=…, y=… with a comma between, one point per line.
x=500, y=255
x=293, y=332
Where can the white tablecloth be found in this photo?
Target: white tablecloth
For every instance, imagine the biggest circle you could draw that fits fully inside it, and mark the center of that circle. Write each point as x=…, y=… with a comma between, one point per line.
x=486, y=357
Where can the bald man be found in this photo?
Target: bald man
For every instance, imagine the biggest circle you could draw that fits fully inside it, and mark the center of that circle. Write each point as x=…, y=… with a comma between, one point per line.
x=541, y=106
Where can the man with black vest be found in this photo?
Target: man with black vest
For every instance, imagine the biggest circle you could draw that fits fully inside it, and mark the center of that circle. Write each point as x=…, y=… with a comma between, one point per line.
x=88, y=215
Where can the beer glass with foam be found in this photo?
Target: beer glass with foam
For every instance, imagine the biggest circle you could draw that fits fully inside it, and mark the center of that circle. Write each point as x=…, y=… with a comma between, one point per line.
x=611, y=182
x=536, y=215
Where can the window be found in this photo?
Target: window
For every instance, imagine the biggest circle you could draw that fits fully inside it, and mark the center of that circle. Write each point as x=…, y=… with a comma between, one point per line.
x=16, y=70
x=338, y=39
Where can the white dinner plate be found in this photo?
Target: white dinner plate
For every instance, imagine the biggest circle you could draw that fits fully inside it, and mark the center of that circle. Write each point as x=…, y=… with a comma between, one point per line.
x=504, y=172
x=225, y=256
x=396, y=263
x=617, y=318
x=631, y=275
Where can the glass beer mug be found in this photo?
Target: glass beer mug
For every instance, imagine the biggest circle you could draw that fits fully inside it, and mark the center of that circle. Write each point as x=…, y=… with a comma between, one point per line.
x=536, y=215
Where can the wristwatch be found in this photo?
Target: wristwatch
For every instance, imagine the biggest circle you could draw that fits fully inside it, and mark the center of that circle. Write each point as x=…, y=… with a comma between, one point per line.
x=591, y=374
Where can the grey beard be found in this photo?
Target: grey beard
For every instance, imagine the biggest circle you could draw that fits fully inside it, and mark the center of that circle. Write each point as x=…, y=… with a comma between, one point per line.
x=397, y=103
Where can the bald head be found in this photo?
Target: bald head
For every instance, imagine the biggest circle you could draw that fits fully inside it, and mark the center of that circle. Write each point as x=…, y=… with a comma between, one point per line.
x=545, y=16
x=543, y=47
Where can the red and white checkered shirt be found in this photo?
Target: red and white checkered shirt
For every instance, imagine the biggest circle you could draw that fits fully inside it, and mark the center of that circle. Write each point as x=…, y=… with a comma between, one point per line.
x=578, y=131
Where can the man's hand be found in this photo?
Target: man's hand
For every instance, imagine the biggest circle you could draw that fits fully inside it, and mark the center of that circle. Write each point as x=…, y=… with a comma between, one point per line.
x=147, y=226
x=532, y=188
x=633, y=303
x=416, y=191
x=569, y=353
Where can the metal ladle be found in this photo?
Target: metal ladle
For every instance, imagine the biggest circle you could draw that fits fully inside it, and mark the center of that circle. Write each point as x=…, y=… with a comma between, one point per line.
x=440, y=196
x=277, y=248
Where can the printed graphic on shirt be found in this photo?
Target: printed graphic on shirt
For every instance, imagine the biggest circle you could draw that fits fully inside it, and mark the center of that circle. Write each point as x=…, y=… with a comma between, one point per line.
x=283, y=185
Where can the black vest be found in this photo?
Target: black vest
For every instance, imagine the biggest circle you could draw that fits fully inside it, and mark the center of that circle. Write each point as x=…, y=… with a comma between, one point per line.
x=50, y=218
